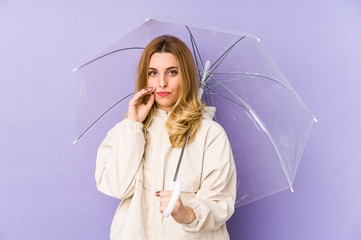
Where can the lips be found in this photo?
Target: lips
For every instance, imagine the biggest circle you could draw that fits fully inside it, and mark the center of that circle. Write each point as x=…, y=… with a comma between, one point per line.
x=162, y=94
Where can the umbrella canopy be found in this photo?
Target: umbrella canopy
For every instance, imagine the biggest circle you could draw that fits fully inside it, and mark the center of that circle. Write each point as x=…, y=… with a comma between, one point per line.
x=266, y=121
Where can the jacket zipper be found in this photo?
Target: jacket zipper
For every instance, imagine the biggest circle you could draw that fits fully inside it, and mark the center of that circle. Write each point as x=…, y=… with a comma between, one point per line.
x=156, y=217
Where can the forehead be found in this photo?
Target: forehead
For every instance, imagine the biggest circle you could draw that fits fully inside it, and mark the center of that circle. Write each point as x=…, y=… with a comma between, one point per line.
x=163, y=60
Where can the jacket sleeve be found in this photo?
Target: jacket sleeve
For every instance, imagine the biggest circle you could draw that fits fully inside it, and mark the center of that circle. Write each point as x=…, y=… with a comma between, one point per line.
x=214, y=202
x=119, y=159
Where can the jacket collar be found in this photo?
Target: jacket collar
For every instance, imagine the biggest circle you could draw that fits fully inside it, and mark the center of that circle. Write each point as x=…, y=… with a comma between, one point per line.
x=208, y=112
x=161, y=113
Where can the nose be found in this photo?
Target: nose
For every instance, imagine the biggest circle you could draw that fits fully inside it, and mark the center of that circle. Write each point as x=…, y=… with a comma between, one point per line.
x=162, y=81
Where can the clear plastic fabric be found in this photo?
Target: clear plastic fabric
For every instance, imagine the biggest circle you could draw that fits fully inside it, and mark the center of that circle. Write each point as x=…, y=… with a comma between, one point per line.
x=266, y=121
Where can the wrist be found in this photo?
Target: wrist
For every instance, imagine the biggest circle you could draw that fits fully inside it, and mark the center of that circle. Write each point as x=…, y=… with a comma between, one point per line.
x=132, y=117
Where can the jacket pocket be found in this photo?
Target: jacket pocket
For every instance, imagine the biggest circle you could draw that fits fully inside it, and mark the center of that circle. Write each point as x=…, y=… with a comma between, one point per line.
x=190, y=183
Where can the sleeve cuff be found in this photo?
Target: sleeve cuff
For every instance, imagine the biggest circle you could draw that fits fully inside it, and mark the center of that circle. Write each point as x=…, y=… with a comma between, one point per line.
x=201, y=212
x=133, y=124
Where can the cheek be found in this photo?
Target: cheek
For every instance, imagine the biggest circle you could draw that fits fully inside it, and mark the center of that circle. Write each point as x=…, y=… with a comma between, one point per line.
x=151, y=82
x=176, y=85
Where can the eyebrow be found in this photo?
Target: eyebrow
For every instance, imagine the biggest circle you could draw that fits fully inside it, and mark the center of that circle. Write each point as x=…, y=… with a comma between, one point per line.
x=151, y=68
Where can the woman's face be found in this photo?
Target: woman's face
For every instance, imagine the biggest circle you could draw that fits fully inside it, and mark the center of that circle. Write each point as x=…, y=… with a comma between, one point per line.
x=163, y=75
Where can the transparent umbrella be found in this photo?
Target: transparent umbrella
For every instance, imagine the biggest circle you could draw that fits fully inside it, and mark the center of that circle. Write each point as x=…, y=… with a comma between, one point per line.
x=266, y=121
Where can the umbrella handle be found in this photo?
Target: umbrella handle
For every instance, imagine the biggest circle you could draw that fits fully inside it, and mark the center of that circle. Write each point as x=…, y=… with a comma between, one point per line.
x=175, y=187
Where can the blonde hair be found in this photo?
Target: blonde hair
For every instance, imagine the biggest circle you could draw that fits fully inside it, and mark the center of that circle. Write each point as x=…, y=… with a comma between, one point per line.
x=187, y=111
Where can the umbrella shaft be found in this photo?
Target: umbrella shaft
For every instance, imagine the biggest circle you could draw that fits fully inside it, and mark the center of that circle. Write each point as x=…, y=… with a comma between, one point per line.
x=180, y=157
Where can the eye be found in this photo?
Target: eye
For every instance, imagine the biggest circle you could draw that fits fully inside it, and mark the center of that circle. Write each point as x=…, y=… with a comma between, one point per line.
x=172, y=73
x=152, y=73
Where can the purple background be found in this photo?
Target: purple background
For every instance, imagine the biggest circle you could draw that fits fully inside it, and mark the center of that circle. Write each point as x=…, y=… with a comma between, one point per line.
x=47, y=192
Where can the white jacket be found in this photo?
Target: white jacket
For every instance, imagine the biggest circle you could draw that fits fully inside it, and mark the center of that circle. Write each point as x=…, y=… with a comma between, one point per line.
x=133, y=165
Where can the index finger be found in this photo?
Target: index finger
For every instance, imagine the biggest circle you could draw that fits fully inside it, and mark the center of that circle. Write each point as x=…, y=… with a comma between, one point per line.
x=165, y=193
x=143, y=92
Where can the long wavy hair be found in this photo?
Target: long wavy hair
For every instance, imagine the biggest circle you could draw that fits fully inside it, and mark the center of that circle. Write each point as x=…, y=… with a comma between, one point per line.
x=186, y=114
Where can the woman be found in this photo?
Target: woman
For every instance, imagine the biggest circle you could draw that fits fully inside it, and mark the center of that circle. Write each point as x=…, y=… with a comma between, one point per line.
x=137, y=159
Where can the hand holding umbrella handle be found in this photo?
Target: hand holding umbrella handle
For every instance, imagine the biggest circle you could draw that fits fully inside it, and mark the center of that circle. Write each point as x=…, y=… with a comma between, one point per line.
x=175, y=187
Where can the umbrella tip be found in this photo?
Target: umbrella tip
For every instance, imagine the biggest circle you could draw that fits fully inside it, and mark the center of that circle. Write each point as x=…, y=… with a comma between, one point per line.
x=291, y=188
x=315, y=119
x=258, y=39
x=75, y=69
x=75, y=141
x=147, y=19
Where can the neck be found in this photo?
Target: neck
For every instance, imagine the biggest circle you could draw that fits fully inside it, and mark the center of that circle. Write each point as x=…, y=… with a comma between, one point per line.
x=167, y=110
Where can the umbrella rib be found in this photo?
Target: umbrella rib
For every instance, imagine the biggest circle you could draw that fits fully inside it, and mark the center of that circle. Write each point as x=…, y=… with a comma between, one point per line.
x=109, y=53
x=101, y=117
x=194, y=52
x=274, y=80
x=216, y=82
x=226, y=52
x=255, y=75
x=258, y=75
x=195, y=47
x=261, y=124
x=224, y=96
x=221, y=58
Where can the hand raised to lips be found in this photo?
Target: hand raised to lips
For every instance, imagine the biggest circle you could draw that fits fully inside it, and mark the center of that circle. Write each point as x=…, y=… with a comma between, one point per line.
x=137, y=110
